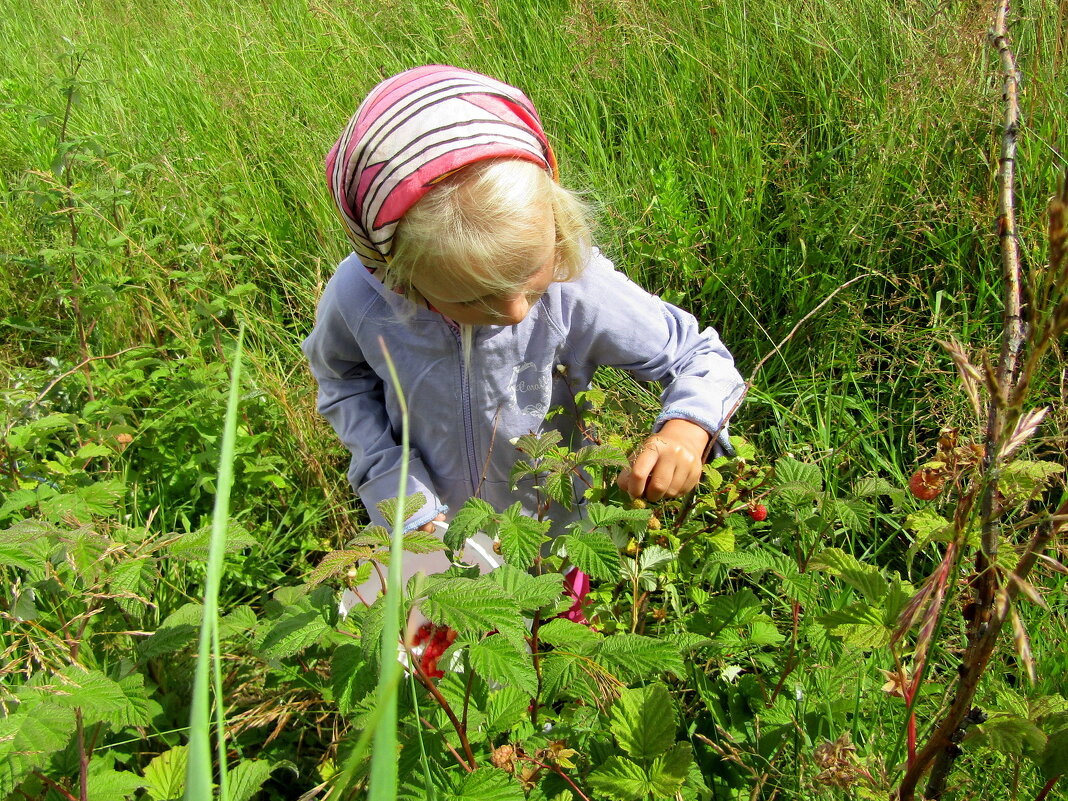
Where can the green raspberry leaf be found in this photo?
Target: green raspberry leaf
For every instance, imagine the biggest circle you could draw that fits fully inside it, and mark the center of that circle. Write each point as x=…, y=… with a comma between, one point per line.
x=643, y=721
x=474, y=607
x=594, y=553
x=669, y=770
x=486, y=784
x=495, y=659
x=620, y=779
x=474, y=516
x=521, y=537
x=530, y=592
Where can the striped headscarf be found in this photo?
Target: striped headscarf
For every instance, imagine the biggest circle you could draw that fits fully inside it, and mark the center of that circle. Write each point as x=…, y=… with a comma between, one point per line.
x=415, y=129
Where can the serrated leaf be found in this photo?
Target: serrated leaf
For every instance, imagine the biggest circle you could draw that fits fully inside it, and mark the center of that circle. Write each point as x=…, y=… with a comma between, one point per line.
x=1024, y=479
x=412, y=504
x=165, y=775
x=495, y=659
x=128, y=579
x=669, y=771
x=422, y=542
x=797, y=482
x=295, y=631
x=755, y=562
x=193, y=547
x=521, y=536
x=557, y=486
x=17, y=500
x=643, y=721
x=29, y=736
x=99, y=697
x=1012, y=735
x=926, y=524
x=601, y=515
x=474, y=607
x=537, y=446
x=241, y=620
x=349, y=681
x=562, y=633
x=853, y=514
x=486, y=784
x=530, y=592
x=474, y=516
x=1053, y=761
x=178, y=630
x=637, y=656
x=247, y=778
x=651, y=562
x=101, y=497
x=113, y=785
x=864, y=636
x=866, y=579
x=763, y=632
x=620, y=779
x=18, y=545
x=594, y=553
x=873, y=486
x=504, y=709
x=334, y=564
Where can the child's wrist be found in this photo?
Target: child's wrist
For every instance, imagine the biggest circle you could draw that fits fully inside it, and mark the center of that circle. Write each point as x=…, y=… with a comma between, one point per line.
x=685, y=432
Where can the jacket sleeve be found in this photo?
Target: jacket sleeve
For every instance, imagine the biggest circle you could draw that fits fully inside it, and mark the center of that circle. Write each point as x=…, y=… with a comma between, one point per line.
x=623, y=326
x=352, y=398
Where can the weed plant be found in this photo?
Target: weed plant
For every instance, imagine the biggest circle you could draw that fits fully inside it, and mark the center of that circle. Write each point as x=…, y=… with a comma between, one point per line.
x=160, y=170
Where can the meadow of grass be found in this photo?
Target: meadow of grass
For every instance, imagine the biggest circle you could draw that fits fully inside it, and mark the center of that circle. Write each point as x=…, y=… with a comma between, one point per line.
x=161, y=176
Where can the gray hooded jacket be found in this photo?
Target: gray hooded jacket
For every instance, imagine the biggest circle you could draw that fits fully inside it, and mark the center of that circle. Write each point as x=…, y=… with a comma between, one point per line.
x=464, y=417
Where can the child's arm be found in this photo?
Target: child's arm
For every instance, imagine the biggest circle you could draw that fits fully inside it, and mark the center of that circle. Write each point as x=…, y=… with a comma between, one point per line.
x=612, y=321
x=351, y=397
x=669, y=463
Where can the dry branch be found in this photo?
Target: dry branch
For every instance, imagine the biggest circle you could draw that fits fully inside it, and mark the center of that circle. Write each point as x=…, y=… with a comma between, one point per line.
x=1006, y=430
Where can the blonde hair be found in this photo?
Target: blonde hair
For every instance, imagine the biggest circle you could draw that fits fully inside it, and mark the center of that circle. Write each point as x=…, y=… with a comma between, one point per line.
x=479, y=225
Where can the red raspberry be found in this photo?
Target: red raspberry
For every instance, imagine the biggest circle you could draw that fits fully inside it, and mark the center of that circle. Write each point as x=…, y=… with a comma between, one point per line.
x=758, y=511
x=422, y=634
x=926, y=484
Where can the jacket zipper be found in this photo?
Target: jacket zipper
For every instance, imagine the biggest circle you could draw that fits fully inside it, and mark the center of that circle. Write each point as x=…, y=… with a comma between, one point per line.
x=465, y=402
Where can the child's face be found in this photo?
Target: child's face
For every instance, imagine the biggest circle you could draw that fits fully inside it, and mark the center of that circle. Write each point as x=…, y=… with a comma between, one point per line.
x=468, y=304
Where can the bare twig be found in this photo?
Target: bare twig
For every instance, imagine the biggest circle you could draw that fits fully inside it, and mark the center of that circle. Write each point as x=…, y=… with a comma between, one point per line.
x=1010, y=250
x=1006, y=430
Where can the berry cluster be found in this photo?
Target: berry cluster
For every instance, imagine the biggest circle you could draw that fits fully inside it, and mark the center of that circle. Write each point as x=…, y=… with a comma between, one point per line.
x=434, y=641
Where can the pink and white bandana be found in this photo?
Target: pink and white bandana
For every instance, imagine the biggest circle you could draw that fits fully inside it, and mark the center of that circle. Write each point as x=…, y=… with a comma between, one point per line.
x=415, y=129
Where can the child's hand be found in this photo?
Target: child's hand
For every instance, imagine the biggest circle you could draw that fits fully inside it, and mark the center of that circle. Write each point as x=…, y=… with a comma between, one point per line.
x=669, y=463
x=430, y=528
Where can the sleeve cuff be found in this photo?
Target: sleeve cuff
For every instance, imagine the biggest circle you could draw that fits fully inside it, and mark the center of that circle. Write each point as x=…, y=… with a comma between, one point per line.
x=384, y=486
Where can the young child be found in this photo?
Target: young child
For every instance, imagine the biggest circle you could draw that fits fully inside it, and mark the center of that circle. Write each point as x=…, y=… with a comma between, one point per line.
x=474, y=268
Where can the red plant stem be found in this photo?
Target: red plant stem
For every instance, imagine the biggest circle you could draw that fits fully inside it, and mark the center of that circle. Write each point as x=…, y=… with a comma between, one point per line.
x=451, y=750
x=436, y=694
x=1047, y=788
x=57, y=787
x=555, y=769
x=535, y=625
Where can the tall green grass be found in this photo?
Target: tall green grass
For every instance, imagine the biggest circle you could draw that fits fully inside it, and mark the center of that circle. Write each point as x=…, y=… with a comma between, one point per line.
x=746, y=158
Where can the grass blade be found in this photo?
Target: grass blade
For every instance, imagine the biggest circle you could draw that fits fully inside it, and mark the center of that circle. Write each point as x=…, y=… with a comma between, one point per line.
x=198, y=783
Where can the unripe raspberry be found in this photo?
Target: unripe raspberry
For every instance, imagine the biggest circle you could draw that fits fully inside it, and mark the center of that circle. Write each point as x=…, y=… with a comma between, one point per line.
x=654, y=523
x=926, y=484
x=759, y=512
x=637, y=503
x=632, y=547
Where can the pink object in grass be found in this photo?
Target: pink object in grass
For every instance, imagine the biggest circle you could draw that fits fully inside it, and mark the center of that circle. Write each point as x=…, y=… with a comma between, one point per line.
x=577, y=585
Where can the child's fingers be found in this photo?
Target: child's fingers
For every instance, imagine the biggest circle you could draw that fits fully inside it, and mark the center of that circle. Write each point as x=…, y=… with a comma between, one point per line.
x=661, y=470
